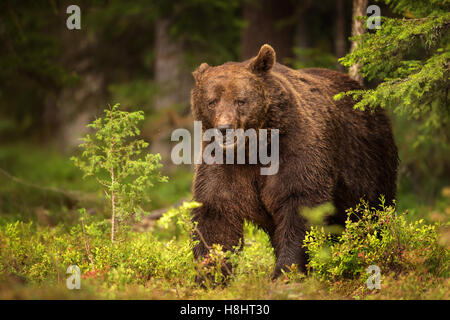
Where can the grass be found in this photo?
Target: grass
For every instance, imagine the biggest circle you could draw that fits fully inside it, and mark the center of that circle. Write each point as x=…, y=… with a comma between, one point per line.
x=41, y=234
x=145, y=268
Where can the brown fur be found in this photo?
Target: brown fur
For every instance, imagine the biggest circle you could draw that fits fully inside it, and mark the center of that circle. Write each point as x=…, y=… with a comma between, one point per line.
x=328, y=152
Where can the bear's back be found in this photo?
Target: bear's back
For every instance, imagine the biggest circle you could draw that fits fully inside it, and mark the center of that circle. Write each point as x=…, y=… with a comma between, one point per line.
x=318, y=79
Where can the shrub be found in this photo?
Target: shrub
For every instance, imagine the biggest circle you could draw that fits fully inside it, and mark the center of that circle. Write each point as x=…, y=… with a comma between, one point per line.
x=377, y=237
x=38, y=255
x=113, y=156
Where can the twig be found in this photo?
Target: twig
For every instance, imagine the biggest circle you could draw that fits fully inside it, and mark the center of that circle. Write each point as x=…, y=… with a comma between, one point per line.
x=209, y=248
x=156, y=214
x=113, y=205
x=69, y=193
x=86, y=245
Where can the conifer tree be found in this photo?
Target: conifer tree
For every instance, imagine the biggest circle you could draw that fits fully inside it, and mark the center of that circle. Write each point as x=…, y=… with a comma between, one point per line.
x=409, y=57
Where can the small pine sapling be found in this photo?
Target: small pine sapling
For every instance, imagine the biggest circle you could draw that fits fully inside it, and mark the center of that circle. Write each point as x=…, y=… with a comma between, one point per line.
x=114, y=157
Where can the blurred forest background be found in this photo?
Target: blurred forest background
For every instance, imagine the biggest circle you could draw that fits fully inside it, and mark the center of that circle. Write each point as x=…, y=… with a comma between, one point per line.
x=54, y=81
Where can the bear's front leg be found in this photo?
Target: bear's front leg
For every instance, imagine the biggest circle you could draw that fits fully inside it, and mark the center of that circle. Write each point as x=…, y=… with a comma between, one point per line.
x=287, y=238
x=216, y=227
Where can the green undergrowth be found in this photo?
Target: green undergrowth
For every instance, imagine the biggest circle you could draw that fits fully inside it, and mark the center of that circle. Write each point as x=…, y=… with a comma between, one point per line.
x=413, y=253
x=412, y=256
x=42, y=185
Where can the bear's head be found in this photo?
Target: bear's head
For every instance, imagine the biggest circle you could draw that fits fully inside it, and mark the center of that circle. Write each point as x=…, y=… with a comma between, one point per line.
x=233, y=95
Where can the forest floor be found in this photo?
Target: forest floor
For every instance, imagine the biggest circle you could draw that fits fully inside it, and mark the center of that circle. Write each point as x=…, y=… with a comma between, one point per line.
x=42, y=234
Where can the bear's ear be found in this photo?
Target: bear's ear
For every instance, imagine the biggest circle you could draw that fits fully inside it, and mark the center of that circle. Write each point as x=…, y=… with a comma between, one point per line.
x=200, y=70
x=264, y=61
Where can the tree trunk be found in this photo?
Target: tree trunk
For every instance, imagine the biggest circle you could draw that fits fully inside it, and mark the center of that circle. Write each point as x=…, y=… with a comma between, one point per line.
x=67, y=113
x=340, y=39
x=268, y=23
x=171, y=76
x=174, y=81
x=359, y=9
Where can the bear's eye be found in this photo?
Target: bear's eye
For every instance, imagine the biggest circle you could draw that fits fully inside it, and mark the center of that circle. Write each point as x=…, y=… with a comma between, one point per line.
x=240, y=103
x=212, y=103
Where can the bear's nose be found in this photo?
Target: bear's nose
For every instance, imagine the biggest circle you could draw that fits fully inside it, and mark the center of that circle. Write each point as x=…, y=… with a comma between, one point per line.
x=223, y=128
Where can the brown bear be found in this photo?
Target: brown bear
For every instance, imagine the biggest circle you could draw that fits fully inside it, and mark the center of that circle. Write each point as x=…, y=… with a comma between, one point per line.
x=328, y=152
